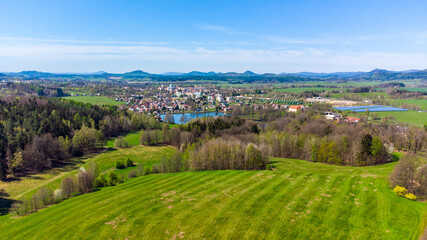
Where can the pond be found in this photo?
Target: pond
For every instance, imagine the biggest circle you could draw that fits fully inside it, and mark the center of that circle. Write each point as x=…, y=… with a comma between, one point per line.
x=179, y=119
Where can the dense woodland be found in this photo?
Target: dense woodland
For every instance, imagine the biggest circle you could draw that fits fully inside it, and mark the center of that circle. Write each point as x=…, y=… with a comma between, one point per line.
x=39, y=133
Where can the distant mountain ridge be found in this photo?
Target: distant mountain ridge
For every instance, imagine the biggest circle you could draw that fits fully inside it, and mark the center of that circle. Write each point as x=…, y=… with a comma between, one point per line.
x=376, y=74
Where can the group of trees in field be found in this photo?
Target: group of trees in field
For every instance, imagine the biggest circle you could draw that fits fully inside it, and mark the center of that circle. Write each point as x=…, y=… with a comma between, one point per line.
x=197, y=129
x=37, y=134
x=222, y=154
x=334, y=149
x=411, y=174
x=311, y=137
x=304, y=136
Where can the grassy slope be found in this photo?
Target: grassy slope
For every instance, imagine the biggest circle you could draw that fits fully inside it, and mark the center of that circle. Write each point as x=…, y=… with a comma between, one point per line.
x=97, y=100
x=138, y=154
x=301, y=200
x=131, y=138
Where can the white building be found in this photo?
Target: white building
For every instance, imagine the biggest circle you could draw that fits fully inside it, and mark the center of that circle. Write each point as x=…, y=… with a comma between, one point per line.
x=332, y=116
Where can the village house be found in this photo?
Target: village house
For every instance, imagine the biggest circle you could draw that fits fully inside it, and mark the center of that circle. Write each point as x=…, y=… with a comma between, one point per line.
x=332, y=116
x=295, y=108
x=349, y=120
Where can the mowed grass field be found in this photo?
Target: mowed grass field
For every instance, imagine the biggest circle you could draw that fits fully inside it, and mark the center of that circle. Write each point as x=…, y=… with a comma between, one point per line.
x=96, y=100
x=300, y=200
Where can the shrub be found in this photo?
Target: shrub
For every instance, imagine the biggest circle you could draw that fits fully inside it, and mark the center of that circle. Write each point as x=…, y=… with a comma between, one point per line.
x=85, y=180
x=133, y=173
x=140, y=169
x=45, y=196
x=422, y=180
x=120, y=165
x=157, y=168
x=58, y=195
x=128, y=163
x=67, y=186
x=100, y=181
x=18, y=208
x=404, y=172
x=401, y=191
x=410, y=196
x=112, y=178
x=121, y=143
x=147, y=171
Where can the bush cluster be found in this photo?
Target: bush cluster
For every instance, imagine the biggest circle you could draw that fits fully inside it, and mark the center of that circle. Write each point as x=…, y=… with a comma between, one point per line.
x=403, y=192
x=410, y=174
x=122, y=165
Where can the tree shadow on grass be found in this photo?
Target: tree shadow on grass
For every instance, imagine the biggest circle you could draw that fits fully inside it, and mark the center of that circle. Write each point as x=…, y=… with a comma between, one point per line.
x=5, y=203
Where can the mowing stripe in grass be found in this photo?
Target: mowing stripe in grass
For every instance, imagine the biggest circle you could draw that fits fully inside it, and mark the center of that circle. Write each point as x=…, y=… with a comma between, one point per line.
x=339, y=211
x=268, y=212
x=206, y=198
x=215, y=205
x=253, y=206
x=152, y=226
x=296, y=215
x=241, y=200
x=150, y=207
x=92, y=199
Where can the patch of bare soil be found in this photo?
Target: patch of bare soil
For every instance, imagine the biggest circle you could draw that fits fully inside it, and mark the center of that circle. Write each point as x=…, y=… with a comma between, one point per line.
x=424, y=236
x=115, y=222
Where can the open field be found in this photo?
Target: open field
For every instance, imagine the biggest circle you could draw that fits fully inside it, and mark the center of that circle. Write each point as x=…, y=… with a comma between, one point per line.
x=131, y=138
x=28, y=185
x=300, y=200
x=411, y=117
x=363, y=96
x=97, y=100
x=416, y=89
x=419, y=102
x=303, y=89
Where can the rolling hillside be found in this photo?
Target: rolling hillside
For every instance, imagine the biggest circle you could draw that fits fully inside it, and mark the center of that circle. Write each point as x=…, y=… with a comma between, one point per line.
x=300, y=200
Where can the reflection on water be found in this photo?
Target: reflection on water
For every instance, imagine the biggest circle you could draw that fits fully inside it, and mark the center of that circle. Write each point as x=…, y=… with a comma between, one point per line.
x=186, y=117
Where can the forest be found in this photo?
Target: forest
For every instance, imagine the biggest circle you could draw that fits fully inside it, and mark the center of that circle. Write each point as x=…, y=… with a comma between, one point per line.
x=40, y=133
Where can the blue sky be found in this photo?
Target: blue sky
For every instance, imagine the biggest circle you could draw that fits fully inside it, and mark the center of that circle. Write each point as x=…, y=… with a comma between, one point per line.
x=263, y=36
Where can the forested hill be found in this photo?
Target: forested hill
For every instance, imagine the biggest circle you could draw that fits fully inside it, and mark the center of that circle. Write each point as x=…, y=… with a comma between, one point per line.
x=38, y=133
x=247, y=76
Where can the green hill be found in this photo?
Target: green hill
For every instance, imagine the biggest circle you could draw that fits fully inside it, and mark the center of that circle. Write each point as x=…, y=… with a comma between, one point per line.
x=300, y=200
x=28, y=185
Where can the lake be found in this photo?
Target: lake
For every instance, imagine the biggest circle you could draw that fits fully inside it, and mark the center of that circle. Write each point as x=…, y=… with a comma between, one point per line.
x=188, y=116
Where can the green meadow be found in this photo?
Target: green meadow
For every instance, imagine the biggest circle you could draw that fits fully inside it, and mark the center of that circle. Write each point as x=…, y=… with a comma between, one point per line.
x=413, y=89
x=410, y=117
x=299, y=200
x=418, y=102
x=131, y=138
x=303, y=89
x=96, y=100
